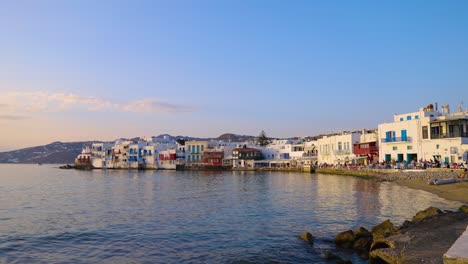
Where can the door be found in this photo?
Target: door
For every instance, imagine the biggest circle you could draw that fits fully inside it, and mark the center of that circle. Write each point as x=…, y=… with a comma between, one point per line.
x=404, y=137
x=388, y=157
x=400, y=157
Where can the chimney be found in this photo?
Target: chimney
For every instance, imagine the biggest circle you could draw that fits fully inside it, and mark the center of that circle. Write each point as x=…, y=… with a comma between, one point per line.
x=436, y=106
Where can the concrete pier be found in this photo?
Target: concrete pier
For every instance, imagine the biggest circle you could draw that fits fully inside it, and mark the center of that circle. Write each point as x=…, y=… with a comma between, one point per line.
x=458, y=252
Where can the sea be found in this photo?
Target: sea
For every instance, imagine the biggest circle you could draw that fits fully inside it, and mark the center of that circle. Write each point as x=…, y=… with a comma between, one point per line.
x=50, y=215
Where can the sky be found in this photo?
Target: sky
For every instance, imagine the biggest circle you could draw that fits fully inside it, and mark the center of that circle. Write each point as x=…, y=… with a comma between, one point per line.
x=100, y=70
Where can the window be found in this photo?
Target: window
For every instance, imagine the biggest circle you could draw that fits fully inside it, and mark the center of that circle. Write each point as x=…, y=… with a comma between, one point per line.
x=202, y=147
x=409, y=147
x=416, y=117
x=425, y=132
x=395, y=148
x=437, y=146
x=189, y=148
x=408, y=118
x=339, y=146
x=404, y=136
x=436, y=131
x=401, y=118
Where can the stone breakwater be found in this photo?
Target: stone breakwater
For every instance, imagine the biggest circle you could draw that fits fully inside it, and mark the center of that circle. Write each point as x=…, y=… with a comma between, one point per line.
x=396, y=175
x=423, y=239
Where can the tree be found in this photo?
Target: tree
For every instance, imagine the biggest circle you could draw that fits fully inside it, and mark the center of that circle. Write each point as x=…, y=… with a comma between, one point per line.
x=263, y=139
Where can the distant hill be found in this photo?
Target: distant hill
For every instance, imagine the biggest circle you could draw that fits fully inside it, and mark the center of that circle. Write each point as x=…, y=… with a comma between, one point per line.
x=66, y=152
x=56, y=152
x=235, y=138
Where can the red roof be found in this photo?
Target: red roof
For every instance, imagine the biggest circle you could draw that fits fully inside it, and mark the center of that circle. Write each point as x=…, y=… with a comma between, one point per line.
x=246, y=150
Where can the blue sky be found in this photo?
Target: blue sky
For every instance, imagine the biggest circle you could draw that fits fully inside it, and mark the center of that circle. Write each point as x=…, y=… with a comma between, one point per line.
x=77, y=70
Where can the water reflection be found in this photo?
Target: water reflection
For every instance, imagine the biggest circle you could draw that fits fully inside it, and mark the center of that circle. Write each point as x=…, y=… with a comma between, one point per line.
x=50, y=215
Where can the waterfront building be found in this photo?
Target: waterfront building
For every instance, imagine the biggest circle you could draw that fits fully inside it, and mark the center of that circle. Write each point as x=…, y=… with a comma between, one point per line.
x=245, y=156
x=338, y=149
x=100, y=153
x=213, y=157
x=367, y=149
x=194, y=151
x=84, y=158
x=427, y=134
x=167, y=159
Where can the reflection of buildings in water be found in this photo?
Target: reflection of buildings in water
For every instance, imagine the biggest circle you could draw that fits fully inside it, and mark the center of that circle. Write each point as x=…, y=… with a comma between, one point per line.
x=335, y=201
x=400, y=203
x=367, y=202
x=292, y=186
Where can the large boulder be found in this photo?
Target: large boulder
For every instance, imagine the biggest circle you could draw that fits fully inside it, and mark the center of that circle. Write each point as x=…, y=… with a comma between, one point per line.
x=361, y=232
x=330, y=256
x=383, y=230
x=431, y=211
x=388, y=250
x=307, y=237
x=405, y=224
x=362, y=244
x=345, y=239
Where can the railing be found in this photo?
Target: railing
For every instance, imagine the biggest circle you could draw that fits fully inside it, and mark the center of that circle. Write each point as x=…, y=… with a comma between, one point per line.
x=396, y=139
x=342, y=152
x=449, y=135
x=361, y=151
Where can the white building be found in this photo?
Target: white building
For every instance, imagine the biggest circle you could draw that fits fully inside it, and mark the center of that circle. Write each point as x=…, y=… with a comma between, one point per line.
x=100, y=153
x=337, y=149
x=425, y=135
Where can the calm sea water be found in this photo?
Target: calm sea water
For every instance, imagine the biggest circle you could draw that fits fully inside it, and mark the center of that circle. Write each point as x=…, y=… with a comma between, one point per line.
x=48, y=215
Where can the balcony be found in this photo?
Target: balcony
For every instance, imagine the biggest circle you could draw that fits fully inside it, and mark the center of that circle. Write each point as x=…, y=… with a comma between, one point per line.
x=396, y=140
x=342, y=152
x=365, y=151
x=448, y=135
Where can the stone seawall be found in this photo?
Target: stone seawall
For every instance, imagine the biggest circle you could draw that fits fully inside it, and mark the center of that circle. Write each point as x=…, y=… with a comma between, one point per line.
x=396, y=175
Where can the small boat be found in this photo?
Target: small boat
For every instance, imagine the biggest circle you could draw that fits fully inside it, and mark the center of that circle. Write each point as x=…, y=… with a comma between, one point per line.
x=443, y=181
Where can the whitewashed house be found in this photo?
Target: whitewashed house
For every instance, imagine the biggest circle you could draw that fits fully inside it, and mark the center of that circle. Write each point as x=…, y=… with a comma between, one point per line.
x=428, y=134
x=100, y=153
x=337, y=149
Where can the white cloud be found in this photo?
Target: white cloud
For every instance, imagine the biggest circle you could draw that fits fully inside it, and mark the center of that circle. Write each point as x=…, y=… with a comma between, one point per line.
x=31, y=102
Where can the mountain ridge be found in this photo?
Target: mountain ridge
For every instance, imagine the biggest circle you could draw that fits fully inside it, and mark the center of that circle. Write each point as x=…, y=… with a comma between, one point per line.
x=59, y=152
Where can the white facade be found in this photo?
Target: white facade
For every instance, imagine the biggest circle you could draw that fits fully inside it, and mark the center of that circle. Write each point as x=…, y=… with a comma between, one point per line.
x=337, y=149
x=424, y=136
x=99, y=154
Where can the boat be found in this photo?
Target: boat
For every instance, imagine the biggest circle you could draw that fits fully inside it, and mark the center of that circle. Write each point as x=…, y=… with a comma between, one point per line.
x=443, y=181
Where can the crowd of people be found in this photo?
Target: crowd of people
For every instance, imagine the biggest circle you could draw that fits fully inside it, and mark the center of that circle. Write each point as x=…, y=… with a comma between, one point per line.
x=403, y=165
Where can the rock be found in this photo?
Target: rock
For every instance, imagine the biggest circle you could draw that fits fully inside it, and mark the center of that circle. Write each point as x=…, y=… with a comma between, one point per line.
x=388, y=250
x=67, y=167
x=464, y=208
x=406, y=224
x=361, y=232
x=330, y=256
x=362, y=244
x=431, y=211
x=383, y=229
x=345, y=239
x=307, y=237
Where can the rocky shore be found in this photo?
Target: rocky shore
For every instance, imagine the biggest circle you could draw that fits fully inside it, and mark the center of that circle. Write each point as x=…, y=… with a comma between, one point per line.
x=423, y=239
x=416, y=179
